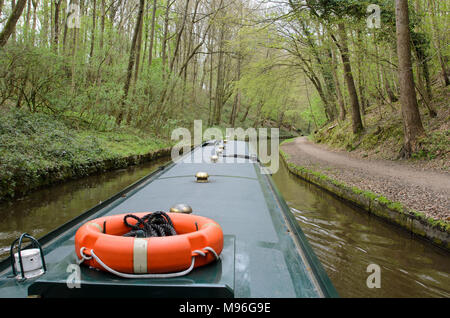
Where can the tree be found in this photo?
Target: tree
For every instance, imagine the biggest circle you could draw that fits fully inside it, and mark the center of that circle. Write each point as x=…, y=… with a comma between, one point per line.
x=437, y=41
x=152, y=34
x=217, y=59
x=94, y=19
x=131, y=61
x=357, y=125
x=329, y=14
x=12, y=21
x=56, y=24
x=412, y=123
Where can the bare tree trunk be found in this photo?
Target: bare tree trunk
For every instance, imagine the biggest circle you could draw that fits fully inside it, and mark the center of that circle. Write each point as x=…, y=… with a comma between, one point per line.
x=220, y=80
x=12, y=21
x=390, y=93
x=164, y=94
x=138, y=51
x=66, y=28
x=102, y=25
x=361, y=78
x=188, y=54
x=309, y=103
x=356, y=114
x=179, y=34
x=340, y=97
x=52, y=25
x=94, y=18
x=237, y=101
x=412, y=123
x=437, y=35
x=131, y=62
x=211, y=62
x=13, y=35
x=137, y=61
x=164, y=40
x=33, y=29
x=258, y=114
x=246, y=113
x=26, y=27
x=75, y=32
x=152, y=34
x=56, y=24
x=423, y=74
x=43, y=34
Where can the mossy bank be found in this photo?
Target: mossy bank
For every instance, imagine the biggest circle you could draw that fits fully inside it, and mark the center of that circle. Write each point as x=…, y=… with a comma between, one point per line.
x=436, y=231
x=37, y=150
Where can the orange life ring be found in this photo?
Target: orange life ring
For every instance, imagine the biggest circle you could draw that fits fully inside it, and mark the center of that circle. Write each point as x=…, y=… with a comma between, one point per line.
x=198, y=238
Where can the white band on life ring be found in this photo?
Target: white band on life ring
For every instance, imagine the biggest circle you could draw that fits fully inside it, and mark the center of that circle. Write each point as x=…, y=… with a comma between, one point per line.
x=140, y=256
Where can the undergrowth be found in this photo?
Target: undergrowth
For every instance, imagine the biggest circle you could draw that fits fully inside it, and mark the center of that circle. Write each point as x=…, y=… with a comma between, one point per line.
x=383, y=137
x=34, y=143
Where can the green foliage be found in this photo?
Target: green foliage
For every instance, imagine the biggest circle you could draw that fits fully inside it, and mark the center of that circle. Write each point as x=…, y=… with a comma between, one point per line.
x=86, y=91
x=328, y=9
x=383, y=136
x=316, y=113
x=31, y=145
x=436, y=144
x=35, y=76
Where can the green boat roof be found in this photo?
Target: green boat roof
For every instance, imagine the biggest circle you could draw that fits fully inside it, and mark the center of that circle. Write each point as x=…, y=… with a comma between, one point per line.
x=265, y=252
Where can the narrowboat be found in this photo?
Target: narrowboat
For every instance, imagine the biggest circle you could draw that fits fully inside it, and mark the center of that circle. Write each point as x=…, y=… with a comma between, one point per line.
x=254, y=248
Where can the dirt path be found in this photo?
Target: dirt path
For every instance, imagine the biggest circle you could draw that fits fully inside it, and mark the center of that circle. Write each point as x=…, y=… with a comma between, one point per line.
x=423, y=190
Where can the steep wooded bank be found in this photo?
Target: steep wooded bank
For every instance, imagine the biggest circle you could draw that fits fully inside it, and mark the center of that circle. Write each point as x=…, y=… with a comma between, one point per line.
x=39, y=150
x=397, y=63
x=383, y=136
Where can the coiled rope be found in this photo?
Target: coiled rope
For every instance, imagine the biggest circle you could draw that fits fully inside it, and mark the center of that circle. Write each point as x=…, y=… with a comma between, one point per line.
x=157, y=224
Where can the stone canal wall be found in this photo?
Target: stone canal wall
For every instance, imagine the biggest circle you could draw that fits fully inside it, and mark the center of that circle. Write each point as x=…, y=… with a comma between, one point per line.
x=64, y=173
x=437, y=232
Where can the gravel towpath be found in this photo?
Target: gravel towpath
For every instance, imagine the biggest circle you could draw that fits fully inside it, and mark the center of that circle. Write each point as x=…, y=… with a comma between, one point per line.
x=423, y=190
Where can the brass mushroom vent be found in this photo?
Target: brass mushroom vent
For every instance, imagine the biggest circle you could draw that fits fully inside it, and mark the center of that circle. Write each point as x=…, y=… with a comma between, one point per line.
x=181, y=208
x=202, y=177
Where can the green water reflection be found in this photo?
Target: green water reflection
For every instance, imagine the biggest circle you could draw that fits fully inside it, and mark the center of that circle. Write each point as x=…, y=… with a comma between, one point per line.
x=44, y=210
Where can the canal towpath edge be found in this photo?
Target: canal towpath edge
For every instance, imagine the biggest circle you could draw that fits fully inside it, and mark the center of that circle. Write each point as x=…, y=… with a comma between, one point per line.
x=418, y=201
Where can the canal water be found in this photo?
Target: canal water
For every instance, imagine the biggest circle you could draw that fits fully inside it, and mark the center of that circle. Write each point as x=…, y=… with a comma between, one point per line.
x=44, y=210
x=345, y=239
